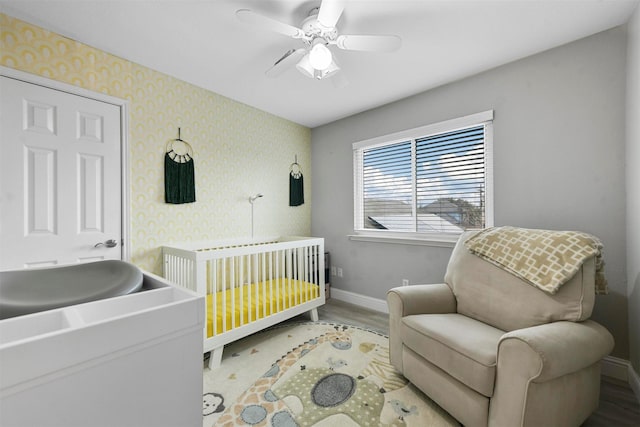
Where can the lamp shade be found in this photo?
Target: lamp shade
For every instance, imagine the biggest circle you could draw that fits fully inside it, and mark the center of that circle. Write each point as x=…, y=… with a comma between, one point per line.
x=327, y=72
x=304, y=66
x=320, y=57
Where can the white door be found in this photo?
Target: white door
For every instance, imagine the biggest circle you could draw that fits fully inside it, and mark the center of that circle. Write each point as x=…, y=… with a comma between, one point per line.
x=60, y=177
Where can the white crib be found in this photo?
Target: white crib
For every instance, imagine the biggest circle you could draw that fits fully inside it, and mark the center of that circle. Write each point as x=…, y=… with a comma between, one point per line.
x=250, y=284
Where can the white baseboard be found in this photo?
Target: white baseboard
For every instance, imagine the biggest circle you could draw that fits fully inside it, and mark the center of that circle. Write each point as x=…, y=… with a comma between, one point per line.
x=615, y=367
x=634, y=382
x=361, y=300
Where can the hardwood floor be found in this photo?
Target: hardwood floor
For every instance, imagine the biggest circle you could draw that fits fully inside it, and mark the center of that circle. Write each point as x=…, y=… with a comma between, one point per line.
x=618, y=404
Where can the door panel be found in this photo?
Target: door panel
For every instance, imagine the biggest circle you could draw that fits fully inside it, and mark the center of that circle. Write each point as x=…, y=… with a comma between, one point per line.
x=60, y=177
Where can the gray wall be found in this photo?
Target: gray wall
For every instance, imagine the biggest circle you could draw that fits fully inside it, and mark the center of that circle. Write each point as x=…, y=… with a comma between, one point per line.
x=559, y=147
x=633, y=188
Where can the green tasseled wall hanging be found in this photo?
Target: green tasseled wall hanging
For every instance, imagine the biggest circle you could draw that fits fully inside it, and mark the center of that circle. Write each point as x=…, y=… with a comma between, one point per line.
x=179, y=172
x=296, y=184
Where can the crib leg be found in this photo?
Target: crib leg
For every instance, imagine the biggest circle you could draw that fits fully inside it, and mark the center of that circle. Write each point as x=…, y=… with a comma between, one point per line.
x=313, y=313
x=215, y=358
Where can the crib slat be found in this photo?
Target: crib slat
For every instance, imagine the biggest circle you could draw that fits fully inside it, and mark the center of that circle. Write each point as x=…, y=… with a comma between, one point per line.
x=303, y=278
x=214, y=294
x=250, y=280
x=232, y=288
x=277, y=276
x=223, y=287
x=308, y=260
x=282, y=298
x=293, y=282
x=272, y=276
x=315, y=267
x=256, y=266
x=292, y=253
x=241, y=286
x=311, y=264
x=289, y=273
x=263, y=266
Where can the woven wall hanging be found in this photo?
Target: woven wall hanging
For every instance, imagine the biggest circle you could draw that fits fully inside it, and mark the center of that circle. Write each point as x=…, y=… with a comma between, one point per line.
x=296, y=184
x=179, y=172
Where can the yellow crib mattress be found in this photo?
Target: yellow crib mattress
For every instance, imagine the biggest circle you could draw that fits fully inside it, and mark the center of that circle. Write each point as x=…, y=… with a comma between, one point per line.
x=259, y=300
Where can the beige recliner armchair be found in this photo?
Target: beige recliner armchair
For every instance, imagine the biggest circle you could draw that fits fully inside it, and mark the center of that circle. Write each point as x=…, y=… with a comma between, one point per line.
x=493, y=350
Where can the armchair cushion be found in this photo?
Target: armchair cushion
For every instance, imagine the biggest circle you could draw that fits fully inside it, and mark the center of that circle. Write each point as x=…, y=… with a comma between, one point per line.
x=417, y=299
x=463, y=347
x=490, y=294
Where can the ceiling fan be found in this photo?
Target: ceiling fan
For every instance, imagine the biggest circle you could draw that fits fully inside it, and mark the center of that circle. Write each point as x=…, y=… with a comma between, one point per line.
x=317, y=32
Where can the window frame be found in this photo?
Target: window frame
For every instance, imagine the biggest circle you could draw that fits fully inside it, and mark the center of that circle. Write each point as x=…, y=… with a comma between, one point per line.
x=446, y=239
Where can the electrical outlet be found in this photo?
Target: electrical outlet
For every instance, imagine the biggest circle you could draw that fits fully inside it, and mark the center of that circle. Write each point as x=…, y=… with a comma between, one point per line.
x=333, y=271
x=405, y=282
x=339, y=271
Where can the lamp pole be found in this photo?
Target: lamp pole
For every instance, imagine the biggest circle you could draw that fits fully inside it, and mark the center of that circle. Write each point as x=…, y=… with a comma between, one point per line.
x=252, y=199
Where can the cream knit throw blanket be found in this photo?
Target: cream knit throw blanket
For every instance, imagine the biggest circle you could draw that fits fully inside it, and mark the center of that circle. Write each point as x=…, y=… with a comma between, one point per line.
x=544, y=258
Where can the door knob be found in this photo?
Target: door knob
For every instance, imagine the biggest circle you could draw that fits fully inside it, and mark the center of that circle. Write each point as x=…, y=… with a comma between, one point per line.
x=109, y=243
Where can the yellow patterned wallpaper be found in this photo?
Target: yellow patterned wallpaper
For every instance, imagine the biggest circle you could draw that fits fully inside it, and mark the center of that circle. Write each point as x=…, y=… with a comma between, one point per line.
x=239, y=150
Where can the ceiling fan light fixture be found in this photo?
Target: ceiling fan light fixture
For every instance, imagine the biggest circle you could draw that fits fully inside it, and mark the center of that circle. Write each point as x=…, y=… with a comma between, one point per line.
x=304, y=66
x=327, y=72
x=320, y=56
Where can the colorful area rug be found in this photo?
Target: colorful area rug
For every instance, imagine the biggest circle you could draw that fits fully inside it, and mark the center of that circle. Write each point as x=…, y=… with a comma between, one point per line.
x=314, y=374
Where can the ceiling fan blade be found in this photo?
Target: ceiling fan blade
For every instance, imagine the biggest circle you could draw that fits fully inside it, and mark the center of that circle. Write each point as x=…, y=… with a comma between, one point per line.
x=290, y=58
x=329, y=13
x=264, y=22
x=369, y=43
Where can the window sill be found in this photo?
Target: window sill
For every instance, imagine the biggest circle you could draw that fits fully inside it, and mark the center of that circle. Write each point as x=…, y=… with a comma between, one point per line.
x=444, y=241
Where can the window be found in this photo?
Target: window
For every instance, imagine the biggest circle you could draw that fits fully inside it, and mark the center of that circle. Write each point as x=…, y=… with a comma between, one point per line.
x=430, y=182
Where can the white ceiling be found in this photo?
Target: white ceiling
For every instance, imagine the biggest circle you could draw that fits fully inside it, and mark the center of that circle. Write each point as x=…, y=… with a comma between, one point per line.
x=202, y=42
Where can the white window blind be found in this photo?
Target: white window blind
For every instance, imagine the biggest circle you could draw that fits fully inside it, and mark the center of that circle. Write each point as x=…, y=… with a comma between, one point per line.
x=431, y=180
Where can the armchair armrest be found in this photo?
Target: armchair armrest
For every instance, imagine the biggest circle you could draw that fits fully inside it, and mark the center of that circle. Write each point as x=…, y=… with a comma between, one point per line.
x=530, y=357
x=416, y=299
x=421, y=299
x=558, y=348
